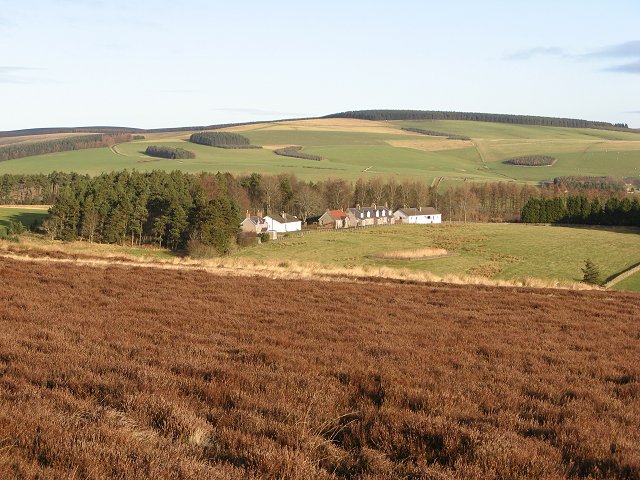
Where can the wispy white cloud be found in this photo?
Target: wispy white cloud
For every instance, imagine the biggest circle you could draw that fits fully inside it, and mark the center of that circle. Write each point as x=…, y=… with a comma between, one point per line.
x=622, y=50
x=13, y=74
x=627, y=50
x=530, y=53
x=633, y=67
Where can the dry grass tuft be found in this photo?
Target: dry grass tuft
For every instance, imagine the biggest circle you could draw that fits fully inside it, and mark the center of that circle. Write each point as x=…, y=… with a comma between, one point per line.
x=82, y=253
x=415, y=254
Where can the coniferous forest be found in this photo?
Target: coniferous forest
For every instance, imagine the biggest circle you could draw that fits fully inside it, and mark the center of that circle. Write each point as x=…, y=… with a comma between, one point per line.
x=532, y=161
x=477, y=117
x=163, y=151
x=579, y=209
x=221, y=140
x=165, y=209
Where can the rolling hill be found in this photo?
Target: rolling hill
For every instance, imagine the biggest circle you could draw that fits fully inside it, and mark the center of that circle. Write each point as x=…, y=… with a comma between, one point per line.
x=352, y=147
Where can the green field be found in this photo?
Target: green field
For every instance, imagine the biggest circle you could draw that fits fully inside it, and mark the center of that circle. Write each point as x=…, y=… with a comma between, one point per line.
x=26, y=216
x=514, y=251
x=579, y=151
x=359, y=148
x=631, y=284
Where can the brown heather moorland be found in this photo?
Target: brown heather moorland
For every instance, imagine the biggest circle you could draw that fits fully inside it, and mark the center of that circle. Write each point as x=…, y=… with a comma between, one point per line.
x=147, y=373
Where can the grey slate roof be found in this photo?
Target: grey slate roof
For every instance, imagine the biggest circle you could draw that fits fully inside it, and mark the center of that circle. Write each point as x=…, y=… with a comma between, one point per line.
x=256, y=220
x=412, y=212
x=284, y=218
x=362, y=212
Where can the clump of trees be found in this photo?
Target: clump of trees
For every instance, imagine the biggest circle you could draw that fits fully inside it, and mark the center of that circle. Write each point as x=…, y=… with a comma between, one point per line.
x=433, y=133
x=473, y=116
x=166, y=209
x=587, y=182
x=138, y=137
x=579, y=209
x=296, y=152
x=532, y=161
x=221, y=140
x=163, y=151
x=28, y=149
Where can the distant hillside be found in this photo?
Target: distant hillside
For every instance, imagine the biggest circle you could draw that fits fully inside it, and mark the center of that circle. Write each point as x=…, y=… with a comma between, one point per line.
x=55, y=130
x=472, y=116
x=358, y=114
x=115, y=130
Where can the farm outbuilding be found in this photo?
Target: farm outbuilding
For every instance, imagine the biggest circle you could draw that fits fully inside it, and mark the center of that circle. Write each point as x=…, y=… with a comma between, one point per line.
x=420, y=215
x=334, y=219
x=254, y=224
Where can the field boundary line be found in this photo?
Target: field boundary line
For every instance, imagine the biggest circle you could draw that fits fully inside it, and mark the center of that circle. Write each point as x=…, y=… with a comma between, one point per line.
x=295, y=271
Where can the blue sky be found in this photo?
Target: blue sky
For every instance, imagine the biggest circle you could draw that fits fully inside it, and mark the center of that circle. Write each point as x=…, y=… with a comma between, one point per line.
x=167, y=63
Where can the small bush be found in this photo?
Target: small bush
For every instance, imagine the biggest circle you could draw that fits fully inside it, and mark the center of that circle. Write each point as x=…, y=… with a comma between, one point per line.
x=246, y=239
x=264, y=237
x=197, y=249
x=15, y=228
x=590, y=273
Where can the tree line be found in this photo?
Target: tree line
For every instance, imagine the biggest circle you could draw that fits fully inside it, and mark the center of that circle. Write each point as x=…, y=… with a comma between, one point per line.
x=264, y=194
x=433, y=133
x=594, y=183
x=473, y=116
x=579, y=209
x=28, y=149
x=296, y=152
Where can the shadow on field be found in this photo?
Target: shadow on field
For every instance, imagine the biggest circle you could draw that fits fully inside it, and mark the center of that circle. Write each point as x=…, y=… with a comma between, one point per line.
x=606, y=228
x=28, y=219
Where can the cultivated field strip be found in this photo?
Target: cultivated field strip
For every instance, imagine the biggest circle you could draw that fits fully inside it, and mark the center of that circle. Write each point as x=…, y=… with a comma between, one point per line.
x=131, y=372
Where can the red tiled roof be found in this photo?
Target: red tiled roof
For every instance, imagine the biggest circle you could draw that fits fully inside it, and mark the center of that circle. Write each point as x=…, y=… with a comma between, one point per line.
x=338, y=214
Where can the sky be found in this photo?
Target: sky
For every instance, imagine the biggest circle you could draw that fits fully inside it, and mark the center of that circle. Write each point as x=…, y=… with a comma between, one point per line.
x=153, y=64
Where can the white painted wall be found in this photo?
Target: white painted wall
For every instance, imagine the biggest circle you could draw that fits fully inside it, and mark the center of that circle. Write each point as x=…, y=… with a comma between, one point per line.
x=276, y=226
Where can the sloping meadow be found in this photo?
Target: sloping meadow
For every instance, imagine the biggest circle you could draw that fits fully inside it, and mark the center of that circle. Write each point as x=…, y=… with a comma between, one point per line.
x=147, y=373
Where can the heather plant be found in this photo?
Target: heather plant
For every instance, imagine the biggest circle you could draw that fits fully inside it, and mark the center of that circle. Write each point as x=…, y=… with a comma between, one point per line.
x=154, y=373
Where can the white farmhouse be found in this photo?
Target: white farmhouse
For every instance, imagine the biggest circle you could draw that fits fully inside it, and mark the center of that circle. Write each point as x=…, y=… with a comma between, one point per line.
x=283, y=223
x=420, y=215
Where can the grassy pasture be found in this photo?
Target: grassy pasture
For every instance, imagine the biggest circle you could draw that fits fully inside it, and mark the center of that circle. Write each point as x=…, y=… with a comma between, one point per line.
x=500, y=251
x=579, y=151
x=630, y=284
x=27, y=216
x=358, y=148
